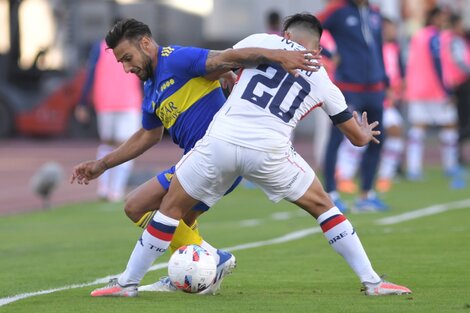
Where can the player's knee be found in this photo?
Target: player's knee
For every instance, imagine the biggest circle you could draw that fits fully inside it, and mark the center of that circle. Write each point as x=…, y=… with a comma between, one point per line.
x=132, y=210
x=416, y=134
x=394, y=131
x=315, y=202
x=318, y=208
x=322, y=204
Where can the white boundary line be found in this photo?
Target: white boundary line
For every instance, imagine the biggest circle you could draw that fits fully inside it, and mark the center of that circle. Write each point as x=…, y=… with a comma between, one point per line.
x=288, y=237
x=435, y=209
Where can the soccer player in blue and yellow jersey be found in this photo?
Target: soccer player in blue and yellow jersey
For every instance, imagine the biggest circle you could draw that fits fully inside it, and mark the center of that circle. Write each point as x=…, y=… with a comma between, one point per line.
x=182, y=94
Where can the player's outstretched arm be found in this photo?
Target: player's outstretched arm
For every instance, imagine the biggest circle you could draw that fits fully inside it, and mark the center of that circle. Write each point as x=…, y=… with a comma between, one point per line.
x=359, y=131
x=219, y=62
x=141, y=141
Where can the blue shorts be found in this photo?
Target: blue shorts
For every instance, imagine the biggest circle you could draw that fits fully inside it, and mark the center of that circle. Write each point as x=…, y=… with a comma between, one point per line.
x=164, y=178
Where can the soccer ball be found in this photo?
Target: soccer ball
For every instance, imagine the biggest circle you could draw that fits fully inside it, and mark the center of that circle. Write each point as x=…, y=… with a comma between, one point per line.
x=192, y=268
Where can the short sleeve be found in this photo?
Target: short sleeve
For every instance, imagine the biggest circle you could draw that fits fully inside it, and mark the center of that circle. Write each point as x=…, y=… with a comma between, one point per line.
x=336, y=106
x=150, y=121
x=334, y=101
x=188, y=60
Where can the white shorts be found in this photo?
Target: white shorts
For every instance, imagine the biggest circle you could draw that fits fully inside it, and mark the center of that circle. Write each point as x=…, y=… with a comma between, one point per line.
x=392, y=117
x=438, y=113
x=118, y=126
x=211, y=167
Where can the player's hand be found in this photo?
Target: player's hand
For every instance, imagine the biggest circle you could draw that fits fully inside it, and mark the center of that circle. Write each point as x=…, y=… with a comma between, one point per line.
x=304, y=60
x=82, y=114
x=367, y=128
x=86, y=171
x=228, y=80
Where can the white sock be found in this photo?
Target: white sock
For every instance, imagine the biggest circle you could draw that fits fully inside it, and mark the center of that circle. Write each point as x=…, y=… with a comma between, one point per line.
x=414, y=155
x=152, y=244
x=449, y=151
x=343, y=238
x=103, y=180
x=119, y=177
x=391, y=155
x=349, y=158
x=211, y=250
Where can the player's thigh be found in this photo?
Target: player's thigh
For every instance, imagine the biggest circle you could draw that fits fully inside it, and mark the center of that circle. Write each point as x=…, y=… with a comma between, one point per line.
x=146, y=197
x=125, y=124
x=165, y=178
x=280, y=175
x=208, y=170
x=177, y=202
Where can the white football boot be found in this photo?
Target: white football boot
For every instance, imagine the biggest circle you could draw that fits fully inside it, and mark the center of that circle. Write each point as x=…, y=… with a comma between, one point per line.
x=113, y=289
x=162, y=285
x=384, y=288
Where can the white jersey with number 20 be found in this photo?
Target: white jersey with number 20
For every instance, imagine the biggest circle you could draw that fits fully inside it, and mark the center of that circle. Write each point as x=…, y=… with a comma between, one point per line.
x=267, y=102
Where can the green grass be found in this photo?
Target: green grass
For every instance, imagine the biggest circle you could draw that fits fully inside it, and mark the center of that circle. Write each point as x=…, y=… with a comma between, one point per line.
x=79, y=243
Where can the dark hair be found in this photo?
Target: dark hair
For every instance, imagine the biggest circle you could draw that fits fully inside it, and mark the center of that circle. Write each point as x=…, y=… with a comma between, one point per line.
x=116, y=20
x=431, y=14
x=129, y=29
x=274, y=18
x=455, y=19
x=306, y=20
x=387, y=20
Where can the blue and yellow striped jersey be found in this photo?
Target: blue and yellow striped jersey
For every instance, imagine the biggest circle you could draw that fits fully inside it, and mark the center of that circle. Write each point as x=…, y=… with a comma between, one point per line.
x=179, y=98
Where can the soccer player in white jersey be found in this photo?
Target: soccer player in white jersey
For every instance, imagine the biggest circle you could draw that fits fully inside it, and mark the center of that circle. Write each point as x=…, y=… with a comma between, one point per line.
x=250, y=137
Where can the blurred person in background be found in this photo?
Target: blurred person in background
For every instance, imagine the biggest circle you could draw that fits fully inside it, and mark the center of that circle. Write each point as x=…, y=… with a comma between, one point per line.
x=455, y=54
x=349, y=156
x=356, y=28
x=116, y=97
x=273, y=23
x=394, y=143
x=427, y=99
